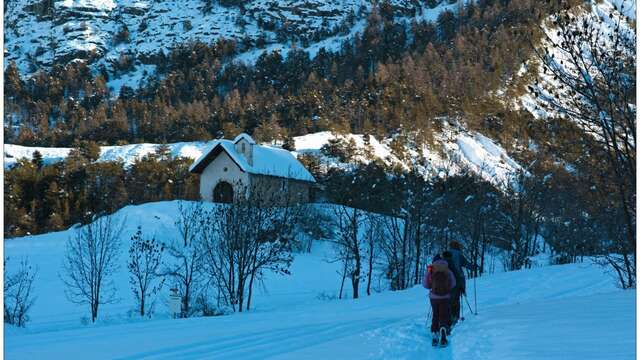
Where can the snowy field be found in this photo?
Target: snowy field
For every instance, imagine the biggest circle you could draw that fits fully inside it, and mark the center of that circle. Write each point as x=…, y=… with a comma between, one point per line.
x=556, y=312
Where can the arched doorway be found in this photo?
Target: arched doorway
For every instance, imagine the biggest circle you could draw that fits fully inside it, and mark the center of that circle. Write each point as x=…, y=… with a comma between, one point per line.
x=223, y=192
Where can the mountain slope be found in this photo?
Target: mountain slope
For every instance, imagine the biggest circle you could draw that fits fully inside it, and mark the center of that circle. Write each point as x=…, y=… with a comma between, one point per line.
x=126, y=37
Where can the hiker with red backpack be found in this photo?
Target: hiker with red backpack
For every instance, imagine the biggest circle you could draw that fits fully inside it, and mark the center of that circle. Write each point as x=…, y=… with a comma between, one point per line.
x=440, y=281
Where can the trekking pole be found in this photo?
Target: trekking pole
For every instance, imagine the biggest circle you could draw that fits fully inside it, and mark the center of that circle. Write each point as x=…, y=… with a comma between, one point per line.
x=469, y=305
x=475, y=294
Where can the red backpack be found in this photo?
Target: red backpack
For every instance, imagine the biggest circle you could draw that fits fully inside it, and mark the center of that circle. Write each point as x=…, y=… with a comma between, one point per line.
x=440, y=282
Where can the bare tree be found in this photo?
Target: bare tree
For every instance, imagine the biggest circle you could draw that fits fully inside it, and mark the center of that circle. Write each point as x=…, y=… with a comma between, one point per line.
x=589, y=77
x=518, y=220
x=186, y=260
x=186, y=271
x=145, y=256
x=91, y=259
x=188, y=221
x=18, y=293
x=312, y=224
x=373, y=235
x=396, y=247
x=349, y=243
x=240, y=240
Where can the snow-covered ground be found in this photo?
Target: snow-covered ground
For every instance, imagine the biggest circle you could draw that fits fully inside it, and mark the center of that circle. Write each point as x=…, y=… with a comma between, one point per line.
x=462, y=149
x=555, y=312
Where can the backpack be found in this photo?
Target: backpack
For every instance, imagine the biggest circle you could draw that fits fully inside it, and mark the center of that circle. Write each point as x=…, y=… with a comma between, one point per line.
x=440, y=283
x=454, y=266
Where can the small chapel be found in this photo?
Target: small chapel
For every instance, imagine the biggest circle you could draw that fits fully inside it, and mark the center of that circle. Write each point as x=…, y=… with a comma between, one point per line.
x=240, y=167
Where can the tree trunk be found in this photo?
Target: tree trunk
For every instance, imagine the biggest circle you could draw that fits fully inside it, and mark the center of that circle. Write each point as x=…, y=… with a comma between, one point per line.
x=629, y=271
x=418, y=244
x=355, y=277
x=253, y=274
x=344, y=275
x=403, y=266
x=231, y=286
x=482, y=252
x=370, y=270
x=96, y=304
x=185, y=301
x=240, y=290
x=94, y=311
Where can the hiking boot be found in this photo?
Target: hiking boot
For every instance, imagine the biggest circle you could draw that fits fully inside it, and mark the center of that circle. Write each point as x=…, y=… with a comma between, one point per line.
x=443, y=337
x=435, y=338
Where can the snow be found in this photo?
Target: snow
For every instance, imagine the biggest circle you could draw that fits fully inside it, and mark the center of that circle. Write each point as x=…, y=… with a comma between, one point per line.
x=267, y=160
x=85, y=30
x=629, y=9
x=312, y=143
x=432, y=14
x=125, y=153
x=330, y=44
x=487, y=158
x=105, y=5
x=54, y=312
x=12, y=153
x=464, y=149
x=567, y=311
x=592, y=11
x=278, y=162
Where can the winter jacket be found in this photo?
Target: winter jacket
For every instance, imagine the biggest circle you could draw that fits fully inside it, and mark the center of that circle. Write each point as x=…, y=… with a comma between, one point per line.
x=458, y=261
x=426, y=281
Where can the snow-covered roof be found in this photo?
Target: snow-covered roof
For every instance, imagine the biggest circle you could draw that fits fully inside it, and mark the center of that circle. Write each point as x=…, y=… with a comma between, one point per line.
x=267, y=160
x=245, y=136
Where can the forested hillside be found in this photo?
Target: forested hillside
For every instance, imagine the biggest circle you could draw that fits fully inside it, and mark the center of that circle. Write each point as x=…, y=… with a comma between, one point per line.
x=395, y=74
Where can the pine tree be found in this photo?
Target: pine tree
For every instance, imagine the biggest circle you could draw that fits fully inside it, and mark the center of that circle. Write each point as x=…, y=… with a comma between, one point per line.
x=289, y=143
x=55, y=222
x=37, y=159
x=163, y=152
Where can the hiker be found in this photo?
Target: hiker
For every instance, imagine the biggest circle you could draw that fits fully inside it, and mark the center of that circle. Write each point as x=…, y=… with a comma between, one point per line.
x=457, y=261
x=439, y=280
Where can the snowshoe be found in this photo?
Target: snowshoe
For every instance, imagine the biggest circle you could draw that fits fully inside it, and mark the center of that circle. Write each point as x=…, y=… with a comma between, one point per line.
x=435, y=339
x=443, y=337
